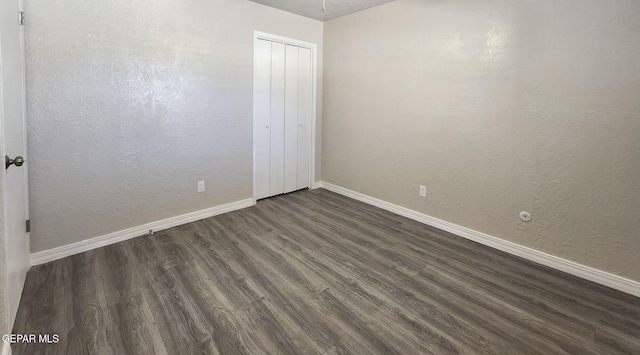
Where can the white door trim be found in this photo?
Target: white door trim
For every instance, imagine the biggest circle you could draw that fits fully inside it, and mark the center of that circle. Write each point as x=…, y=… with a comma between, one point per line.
x=24, y=123
x=3, y=150
x=314, y=85
x=12, y=315
x=6, y=349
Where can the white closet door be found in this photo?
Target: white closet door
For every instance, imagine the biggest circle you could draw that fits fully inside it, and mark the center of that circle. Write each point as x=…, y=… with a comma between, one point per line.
x=276, y=184
x=291, y=121
x=304, y=117
x=262, y=115
x=282, y=117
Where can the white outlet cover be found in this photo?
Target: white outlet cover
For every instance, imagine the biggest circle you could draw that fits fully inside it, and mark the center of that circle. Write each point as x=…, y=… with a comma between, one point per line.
x=525, y=216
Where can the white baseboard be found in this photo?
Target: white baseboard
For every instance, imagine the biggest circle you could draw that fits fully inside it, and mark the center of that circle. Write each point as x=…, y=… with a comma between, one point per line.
x=570, y=267
x=6, y=349
x=111, y=238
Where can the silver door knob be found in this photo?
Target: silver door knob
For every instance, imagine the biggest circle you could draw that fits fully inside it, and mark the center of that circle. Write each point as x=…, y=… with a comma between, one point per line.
x=18, y=161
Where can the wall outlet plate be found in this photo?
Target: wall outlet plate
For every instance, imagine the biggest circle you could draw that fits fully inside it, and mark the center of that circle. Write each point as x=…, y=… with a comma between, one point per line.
x=201, y=186
x=423, y=191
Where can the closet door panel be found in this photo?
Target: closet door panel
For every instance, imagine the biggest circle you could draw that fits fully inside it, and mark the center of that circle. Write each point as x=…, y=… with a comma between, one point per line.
x=304, y=117
x=291, y=120
x=262, y=116
x=276, y=185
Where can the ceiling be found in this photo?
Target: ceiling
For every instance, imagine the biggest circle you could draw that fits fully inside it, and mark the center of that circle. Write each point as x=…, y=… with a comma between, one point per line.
x=313, y=8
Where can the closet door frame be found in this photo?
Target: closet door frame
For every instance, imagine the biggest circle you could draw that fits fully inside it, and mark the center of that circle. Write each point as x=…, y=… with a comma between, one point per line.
x=312, y=129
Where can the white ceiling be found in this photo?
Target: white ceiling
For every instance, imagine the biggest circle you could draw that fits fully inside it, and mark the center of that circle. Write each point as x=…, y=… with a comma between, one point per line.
x=313, y=8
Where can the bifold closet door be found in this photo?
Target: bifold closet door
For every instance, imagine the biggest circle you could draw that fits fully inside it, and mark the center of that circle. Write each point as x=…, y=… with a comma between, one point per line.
x=297, y=118
x=268, y=81
x=282, y=114
x=304, y=116
x=276, y=143
x=262, y=116
x=291, y=120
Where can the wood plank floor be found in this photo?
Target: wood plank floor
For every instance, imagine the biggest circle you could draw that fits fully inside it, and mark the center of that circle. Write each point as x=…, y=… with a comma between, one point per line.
x=317, y=273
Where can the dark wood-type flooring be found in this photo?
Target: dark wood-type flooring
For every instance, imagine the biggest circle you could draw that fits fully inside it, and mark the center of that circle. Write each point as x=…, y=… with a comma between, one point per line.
x=316, y=273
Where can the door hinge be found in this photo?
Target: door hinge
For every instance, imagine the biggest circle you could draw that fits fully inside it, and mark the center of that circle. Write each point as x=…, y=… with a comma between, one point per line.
x=21, y=18
x=28, y=225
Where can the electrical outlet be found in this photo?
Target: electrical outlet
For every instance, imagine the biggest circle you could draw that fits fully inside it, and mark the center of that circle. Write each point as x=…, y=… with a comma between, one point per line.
x=201, y=186
x=423, y=191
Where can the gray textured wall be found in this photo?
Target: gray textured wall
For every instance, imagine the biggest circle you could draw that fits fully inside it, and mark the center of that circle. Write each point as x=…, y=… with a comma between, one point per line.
x=497, y=106
x=130, y=103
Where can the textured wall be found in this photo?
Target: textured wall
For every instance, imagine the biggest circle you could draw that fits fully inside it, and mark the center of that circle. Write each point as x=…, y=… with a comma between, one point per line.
x=497, y=106
x=130, y=103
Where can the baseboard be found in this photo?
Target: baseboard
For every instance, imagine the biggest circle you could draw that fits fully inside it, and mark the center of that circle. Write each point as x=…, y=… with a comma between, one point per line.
x=111, y=238
x=570, y=267
x=6, y=349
